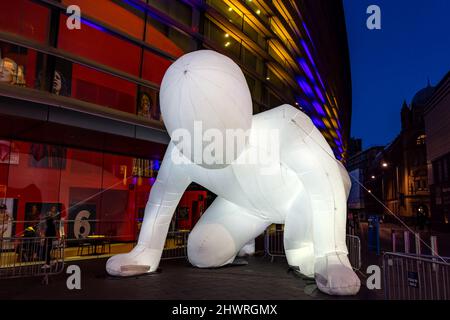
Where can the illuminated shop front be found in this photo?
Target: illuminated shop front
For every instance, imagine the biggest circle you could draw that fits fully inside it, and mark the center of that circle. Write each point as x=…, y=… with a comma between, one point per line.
x=81, y=126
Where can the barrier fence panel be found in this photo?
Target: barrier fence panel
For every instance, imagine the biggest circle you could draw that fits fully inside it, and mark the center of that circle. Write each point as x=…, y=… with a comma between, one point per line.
x=176, y=245
x=27, y=257
x=412, y=277
x=274, y=243
x=354, y=251
x=274, y=246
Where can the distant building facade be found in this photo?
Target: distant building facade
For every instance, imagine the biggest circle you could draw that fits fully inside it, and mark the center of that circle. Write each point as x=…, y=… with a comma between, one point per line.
x=396, y=177
x=437, y=128
x=360, y=202
x=354, y=146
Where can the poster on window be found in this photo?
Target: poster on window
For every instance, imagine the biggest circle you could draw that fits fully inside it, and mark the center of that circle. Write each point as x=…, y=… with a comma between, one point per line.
x=8, y=213
x=147, y=105
x=9, y=154
x=82, y=221
x=12, y=64
x=47, y=156
x=61, y=80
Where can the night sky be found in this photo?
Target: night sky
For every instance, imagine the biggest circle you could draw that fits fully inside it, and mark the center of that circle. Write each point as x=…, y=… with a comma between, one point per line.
x=392, y=64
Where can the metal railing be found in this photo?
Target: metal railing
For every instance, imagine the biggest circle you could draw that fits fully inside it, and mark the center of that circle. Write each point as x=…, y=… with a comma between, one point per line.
x=29, y=257
x=176, y=245
x=354, y=251
x=274, y=243
x=413, y=277
x=274, y=247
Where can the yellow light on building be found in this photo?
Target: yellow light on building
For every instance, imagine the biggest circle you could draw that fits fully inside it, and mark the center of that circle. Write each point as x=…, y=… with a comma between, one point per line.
x=258, y=11
x=227, y=43
x=226, y=35
x=230, y=9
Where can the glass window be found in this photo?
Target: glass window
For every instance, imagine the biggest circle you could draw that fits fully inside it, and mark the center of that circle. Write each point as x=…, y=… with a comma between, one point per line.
x=17, y=65
x=241, y=21
x=421, y=139
x=274, y=79
x=231, y=14
x=96, y=193
x=96, y=187
x=81, y=187
x=253, y=34
x=274, y=54
x=117, y=203
x=168, y=39
x=222, y=38
x=254, y=86
x=176, y=9
x=273, y=100
x=260, y=12
x=56, y=78
x=252, y=61
x=34, y=180
x=26, y=18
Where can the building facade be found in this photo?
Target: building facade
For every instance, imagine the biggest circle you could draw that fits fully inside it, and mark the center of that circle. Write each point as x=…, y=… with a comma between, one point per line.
x=359, y=166
x=81, y=126
x=399, y=177
x=437, y=128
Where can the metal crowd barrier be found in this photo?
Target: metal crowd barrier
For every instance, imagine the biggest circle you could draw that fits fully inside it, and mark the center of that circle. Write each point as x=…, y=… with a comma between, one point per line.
x=274, y=243
x=176, y=245
x=354, y=251
x=274, y=246
x=413, y=277
x=28, y=257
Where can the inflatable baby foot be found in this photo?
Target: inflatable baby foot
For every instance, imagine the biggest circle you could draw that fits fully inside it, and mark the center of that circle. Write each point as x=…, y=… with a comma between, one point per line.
x=138, y=261
x=335, y=276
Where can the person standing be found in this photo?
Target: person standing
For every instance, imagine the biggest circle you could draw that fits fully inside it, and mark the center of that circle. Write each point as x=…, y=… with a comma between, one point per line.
x=50, y=234
x=5, y=221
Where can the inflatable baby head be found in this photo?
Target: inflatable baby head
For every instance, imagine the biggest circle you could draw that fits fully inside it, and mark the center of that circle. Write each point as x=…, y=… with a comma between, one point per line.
x=205, y=94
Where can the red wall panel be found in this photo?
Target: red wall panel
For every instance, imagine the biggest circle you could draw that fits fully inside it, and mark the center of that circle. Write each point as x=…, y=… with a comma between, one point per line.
x=154, y=67
x=103, y=89
x=25, y=18
x=97, y=45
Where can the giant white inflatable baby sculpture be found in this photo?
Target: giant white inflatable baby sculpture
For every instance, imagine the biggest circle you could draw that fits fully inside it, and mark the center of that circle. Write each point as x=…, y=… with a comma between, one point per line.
x=281, y=171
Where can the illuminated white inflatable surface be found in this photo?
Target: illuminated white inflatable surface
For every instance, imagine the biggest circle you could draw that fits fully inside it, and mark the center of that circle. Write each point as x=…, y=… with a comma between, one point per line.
x=295, y=180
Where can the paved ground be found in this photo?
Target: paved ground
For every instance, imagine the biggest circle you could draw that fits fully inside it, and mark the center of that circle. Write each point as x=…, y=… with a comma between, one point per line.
x=260, y=279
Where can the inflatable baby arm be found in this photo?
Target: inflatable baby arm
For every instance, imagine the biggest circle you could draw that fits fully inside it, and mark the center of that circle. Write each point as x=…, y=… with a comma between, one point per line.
x=164, y=197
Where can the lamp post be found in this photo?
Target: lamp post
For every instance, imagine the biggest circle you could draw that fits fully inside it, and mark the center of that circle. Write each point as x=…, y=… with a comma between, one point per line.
x=384, y=165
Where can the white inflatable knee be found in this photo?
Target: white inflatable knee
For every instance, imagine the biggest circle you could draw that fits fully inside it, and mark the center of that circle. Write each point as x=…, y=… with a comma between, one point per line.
x=210, y=246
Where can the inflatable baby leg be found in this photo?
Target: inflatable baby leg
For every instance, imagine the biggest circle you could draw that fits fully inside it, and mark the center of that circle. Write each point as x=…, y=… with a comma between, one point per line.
x=221, y=233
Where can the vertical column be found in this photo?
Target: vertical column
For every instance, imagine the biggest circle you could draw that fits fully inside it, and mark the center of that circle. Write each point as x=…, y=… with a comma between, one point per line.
x=407, y=242
x=434, y=250
x=418, y=245
x=394, y=241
